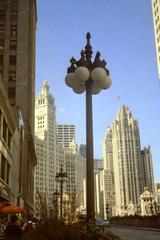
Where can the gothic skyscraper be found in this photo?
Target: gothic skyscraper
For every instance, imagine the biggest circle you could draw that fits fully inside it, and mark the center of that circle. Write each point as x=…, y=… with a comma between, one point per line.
x=123, y=157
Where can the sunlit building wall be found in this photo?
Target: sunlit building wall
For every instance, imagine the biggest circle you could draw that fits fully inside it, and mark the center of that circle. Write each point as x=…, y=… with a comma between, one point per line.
x=75, y=169
x=147, y=169
x=125, y=153
x=65, y=134
x=156, y=24
x=45, y=142
x=10, y=148
x=74, y=163
x=99, y=193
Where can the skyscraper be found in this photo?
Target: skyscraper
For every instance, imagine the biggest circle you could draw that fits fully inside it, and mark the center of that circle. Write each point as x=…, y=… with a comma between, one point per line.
x=156, y=23
x=45, y=141
x=17, y=68
x=147, y=169
x=74, y=163
x=82, y=150
x=130, y=166
x=126, y=155
x=65, y=134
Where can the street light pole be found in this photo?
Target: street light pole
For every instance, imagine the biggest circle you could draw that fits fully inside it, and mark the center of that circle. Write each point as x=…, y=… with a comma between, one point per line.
x=55, y=201
x=61, y=177
x=93, y=77
x=89, y=153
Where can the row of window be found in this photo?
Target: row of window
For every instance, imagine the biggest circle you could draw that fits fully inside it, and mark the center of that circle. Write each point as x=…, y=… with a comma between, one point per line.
x=4, y=131
x=41, y=101
x=12, y=60
x=5, y=168
x=13, y=44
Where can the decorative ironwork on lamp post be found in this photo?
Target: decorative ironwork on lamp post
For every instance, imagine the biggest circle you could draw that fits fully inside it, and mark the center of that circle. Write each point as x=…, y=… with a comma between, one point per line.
x=61, y=177
x=85, y=75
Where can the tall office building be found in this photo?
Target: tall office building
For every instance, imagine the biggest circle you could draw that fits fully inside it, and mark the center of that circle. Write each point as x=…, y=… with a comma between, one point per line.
x=126, y=156
x=45, y=141
x=156, y=23
x=108, y=174
x=74, y=163
x=17, y=68
x=82, y=150
x=65, y=134
x=75, y=168
x=107, y=150
x=147, y=169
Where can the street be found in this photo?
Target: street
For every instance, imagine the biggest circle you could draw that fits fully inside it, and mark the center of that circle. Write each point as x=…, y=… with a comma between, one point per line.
x=134, y=234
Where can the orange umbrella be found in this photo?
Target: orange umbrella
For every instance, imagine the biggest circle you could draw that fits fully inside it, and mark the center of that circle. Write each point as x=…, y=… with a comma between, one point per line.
x=12, y=209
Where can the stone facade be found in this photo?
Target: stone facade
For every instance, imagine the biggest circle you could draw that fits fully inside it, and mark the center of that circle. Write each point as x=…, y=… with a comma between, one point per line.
x=17, y=68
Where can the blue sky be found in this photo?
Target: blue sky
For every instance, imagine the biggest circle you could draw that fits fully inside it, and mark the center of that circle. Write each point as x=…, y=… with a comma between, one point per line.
x=123, y=32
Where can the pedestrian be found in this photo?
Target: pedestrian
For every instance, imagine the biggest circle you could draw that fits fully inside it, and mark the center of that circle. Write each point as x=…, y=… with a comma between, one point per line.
x=29, y=229
x=13, y=230
x=2, y=228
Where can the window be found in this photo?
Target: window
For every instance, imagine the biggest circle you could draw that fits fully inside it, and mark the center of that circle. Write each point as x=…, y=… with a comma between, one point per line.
x=12, y=60
x=2, y=16
x=1, y=59
x=12, y=76
x=13, y=30
x=9, y=139
x=1, y=44
x=4, y=134
x=11, y=92
x=14, y=16
x=3, y=168
x=13, y=44
x=7, y=173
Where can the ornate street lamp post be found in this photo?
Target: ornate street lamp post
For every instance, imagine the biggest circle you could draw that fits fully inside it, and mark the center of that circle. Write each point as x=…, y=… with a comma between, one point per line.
x=61, y=177
x=85, y=75
x=55, y=202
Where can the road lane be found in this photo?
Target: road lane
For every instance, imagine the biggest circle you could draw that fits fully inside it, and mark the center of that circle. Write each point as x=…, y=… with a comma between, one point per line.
x=134, y=234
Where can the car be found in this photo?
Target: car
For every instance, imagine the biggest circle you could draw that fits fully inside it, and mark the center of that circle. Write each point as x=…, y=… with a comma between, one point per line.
x=102, y=223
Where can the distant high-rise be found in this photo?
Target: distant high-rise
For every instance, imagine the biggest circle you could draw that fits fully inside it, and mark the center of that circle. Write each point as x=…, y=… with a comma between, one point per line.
x=82, y=150
x=65, y=134
x=75, y=168
x=98, y=164
x=45, y=141
x=147, y=169
x=17, y=68
x=107, y=150
x=156, y=23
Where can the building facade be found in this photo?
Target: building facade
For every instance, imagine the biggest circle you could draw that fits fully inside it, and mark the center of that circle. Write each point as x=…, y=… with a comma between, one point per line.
x=17, y=68
x=75, y=169
x=156, y=24
x=82, y=150
x=130, y=166
x=123, y=155
x=65, y=134
x=11, y=157
x=147, y=169
x=74, y=162
x=45, y=142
